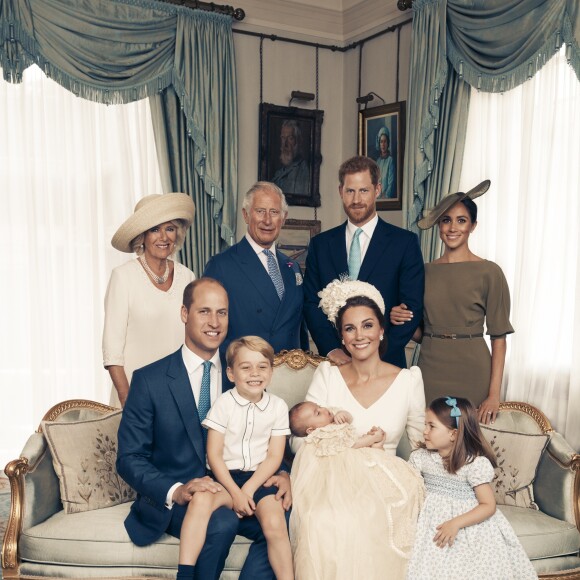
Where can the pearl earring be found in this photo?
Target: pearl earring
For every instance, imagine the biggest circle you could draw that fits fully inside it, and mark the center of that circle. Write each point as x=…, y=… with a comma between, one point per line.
x=381, y=337
x=343, y=341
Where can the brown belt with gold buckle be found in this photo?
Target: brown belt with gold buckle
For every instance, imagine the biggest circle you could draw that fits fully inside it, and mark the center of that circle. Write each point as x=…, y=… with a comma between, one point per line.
x=454, y=336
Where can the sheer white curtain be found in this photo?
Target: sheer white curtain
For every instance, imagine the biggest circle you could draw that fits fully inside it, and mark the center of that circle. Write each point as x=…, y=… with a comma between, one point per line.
x=527, y=141
x=70, y=171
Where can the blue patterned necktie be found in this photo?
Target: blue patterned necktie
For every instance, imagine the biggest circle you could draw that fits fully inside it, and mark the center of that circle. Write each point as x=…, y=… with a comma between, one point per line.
x=204, y=395
x=354, y=260
x=274, y=273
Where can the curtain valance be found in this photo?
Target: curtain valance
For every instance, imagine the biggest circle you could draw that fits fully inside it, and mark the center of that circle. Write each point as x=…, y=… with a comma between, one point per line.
x=490, y=45
x=118, y=51
x=496, y=45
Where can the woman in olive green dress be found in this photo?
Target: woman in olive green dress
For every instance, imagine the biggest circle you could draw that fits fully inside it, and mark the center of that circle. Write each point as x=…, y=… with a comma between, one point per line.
x=462, y=291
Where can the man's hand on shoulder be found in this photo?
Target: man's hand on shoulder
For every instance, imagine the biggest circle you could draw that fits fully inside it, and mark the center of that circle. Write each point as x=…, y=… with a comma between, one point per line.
x=282, y=481
x=183, y=494
x=338, y=357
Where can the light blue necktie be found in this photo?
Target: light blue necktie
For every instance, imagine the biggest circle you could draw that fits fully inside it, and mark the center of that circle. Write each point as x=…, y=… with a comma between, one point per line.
x=204, y=395
x=354, y=260
x=274, y=273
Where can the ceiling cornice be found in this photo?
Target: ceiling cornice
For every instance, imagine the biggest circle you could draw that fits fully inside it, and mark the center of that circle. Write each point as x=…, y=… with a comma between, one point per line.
x=333, y=21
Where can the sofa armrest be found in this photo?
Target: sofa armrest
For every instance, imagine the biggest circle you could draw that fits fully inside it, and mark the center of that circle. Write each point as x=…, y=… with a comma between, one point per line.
x=557, y=484
x=35, y=494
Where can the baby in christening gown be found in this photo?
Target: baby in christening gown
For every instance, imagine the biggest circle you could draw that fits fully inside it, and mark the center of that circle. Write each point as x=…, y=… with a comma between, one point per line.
x=352, y=514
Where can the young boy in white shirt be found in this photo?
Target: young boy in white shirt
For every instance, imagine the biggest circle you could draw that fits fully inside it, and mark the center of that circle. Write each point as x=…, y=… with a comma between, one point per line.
x=247, y=429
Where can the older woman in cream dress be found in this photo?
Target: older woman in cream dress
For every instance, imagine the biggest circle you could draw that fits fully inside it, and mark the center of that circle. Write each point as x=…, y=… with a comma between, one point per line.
x=144, y=296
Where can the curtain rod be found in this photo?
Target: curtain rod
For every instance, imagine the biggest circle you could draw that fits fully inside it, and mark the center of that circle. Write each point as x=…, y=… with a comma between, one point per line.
x=333, y=48
x=236, y=13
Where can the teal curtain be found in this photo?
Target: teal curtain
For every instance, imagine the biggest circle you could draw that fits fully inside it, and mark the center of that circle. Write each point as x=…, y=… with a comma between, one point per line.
x=118, y=51
x=182, y=163
x=492, y=45
x=197, y=165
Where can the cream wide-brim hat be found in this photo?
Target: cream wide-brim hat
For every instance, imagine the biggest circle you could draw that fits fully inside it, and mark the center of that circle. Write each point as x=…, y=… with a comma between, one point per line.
x=434, y=214
x=151, y=211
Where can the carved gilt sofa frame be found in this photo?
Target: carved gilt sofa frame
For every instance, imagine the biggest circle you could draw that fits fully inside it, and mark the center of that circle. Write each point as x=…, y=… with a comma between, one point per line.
x=42, y=542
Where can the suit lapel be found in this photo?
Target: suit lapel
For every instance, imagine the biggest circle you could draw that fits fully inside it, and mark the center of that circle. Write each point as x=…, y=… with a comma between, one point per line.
x=180, y=387
x=375, y=251
x=289, y=279
x=337, y=250
x=254, y=270
x=288, y=275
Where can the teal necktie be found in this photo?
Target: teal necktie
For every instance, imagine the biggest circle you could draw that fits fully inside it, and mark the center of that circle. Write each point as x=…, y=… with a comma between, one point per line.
x=354, y=256
x=204, y=395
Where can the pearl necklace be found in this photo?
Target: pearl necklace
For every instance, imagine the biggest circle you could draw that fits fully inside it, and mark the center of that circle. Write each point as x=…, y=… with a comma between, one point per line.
x=155, y=277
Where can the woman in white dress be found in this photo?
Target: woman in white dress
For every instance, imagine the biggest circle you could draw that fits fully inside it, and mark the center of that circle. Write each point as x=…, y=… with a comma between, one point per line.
x=350, y=525
x=144, y=296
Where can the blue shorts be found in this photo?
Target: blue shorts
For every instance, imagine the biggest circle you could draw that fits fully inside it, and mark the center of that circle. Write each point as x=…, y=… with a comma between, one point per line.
x=241, y=477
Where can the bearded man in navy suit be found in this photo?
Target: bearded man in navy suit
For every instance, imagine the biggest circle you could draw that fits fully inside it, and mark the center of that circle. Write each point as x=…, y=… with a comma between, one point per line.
x=264, y=286
x=389, y=258
x=162, y=450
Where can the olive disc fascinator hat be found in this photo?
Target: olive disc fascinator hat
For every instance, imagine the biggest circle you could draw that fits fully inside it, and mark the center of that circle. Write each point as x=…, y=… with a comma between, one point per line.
x=433, y=215
x=151, y=211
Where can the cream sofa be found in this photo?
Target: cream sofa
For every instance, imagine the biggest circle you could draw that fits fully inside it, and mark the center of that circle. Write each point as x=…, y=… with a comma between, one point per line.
x=42, y=541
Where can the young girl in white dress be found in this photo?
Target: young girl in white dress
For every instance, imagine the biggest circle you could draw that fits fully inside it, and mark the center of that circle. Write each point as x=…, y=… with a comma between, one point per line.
x=460, y=534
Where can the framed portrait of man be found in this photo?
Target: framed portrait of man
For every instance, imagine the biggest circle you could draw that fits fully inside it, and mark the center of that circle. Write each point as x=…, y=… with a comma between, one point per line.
x=290, y=151
x=381, y=136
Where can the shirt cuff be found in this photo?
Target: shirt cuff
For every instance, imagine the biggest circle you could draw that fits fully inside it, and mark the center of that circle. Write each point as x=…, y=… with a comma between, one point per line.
x=169, y=497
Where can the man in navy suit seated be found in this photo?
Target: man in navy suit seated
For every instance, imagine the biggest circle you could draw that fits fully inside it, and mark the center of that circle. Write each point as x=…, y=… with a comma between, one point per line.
x=366, y=248
x=162, y=449
x=264, y=286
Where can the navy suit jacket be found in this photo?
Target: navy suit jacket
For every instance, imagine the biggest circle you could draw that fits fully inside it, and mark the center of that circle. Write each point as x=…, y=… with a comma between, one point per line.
x=160, y=443
x=393, y=264
x=254, y=304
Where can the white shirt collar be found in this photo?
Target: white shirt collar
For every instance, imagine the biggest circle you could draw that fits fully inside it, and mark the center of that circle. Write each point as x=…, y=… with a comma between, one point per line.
x=261, y=404
x=192, y=361
x=368, y=229
x=257, y=248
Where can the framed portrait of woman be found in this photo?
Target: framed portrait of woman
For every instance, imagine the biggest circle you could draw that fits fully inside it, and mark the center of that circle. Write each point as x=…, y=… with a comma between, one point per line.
x=381, y=136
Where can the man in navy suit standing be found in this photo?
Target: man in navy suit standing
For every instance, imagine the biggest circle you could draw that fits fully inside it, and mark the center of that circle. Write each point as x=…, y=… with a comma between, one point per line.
x=264, y=286
x=162, y=449
x=366, y=248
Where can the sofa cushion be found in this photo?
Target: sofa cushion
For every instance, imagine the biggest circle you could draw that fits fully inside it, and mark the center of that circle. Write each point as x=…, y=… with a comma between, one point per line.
x=542, y=536
x=84, y=455
x=518, y=456
x=98, y=538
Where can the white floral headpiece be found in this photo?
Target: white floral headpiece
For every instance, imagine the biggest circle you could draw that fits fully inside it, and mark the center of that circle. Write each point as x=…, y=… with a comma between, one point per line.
x=335, y=295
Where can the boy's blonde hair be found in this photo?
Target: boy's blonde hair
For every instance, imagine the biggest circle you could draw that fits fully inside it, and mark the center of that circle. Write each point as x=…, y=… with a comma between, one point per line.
x=254, y=343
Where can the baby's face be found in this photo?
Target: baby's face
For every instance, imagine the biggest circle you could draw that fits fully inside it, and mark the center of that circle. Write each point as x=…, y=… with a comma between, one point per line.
x=315, y=416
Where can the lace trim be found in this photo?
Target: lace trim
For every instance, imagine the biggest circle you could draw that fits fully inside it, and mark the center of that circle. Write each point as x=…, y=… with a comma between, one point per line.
x=332, y=439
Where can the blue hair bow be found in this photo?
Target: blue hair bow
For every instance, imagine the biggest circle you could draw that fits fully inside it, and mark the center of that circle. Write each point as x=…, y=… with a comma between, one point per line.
x=455, y=412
